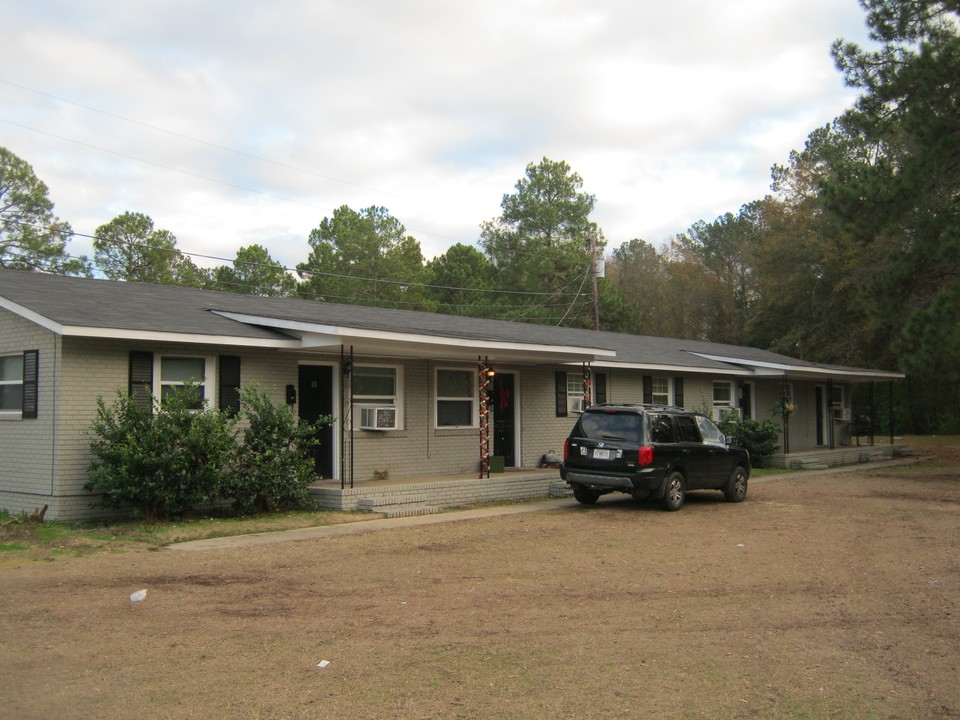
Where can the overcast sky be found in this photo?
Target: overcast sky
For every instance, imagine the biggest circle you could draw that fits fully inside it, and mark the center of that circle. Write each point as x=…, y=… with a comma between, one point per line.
x=239, y=122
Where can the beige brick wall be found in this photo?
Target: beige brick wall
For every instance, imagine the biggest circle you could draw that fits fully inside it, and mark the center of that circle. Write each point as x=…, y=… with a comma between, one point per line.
x=35, y=474
x=419, y=448
x=27, y=472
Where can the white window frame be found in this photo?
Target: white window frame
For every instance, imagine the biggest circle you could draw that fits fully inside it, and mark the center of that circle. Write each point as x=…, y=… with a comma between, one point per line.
x=719, y=408
x=575, y=393
x=208, y=382
x=729, y=385
x=474, y=398
x=372, y=401
x=837, y=408
x=665, y=391
x=11, y=383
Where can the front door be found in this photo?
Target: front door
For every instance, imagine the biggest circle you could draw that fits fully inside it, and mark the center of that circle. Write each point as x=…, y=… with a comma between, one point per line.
x=316, y=393
x=821, y=425
x=504, y=405
x=746, y=400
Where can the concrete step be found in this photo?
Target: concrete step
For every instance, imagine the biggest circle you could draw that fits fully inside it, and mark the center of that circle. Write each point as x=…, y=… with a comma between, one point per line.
x=374, y=503
x=397, y=506
x=399, y=512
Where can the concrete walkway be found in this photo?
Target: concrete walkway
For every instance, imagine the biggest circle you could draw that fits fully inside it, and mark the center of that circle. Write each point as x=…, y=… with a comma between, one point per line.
x=360, y=526
x=352, y=528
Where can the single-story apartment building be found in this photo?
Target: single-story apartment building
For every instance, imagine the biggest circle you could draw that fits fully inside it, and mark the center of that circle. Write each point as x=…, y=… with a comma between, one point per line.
x=412, y=394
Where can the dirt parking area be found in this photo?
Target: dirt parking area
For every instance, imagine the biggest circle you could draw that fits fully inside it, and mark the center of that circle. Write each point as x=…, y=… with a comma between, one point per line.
x=826, y=596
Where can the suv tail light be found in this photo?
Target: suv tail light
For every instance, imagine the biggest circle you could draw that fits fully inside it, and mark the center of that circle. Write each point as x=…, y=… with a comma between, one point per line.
x=566, y=450
x=645, y=455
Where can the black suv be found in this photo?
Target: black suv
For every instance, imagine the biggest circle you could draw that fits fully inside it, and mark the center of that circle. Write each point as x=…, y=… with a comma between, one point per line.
x=651, y=451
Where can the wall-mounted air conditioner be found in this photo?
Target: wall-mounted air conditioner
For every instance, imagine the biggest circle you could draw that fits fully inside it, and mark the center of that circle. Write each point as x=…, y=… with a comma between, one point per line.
x=575, y=405
x=378, y=418
x=720, y=410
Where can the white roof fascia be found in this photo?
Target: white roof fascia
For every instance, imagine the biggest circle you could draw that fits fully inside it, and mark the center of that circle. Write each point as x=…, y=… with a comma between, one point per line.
x=155, y=336
x=87, y=331
x=783, y=368
x=673, y=368
x=341, y=334
x=32, y=316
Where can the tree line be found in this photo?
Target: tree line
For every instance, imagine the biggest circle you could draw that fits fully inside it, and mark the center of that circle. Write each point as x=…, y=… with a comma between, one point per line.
x=852, y=258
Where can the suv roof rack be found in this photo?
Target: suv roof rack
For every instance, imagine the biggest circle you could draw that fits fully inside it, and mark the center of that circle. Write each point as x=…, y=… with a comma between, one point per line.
x=641, y=406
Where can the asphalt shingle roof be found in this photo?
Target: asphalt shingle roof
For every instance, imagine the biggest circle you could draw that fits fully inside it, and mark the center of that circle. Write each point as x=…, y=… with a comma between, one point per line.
x=139, y=307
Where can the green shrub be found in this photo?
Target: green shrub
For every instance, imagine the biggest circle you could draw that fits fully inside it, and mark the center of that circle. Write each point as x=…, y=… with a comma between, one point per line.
x=273, y=465
x=758, y=437
x=163, y=463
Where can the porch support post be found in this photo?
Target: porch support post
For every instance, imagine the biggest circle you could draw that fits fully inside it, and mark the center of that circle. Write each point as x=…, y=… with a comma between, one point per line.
x=785, y=416
x=829, y=414
x=587, y=386
x=890, y=411
x=484, y=380
x=346, y=412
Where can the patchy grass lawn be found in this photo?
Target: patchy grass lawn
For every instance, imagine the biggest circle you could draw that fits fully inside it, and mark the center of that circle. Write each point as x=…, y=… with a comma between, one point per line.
x=827, y=596
x=24, y=541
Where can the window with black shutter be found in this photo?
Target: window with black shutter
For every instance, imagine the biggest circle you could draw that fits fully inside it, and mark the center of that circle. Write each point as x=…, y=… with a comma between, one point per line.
x=561, y=389
x=31, y=363
x=600, y=387
x=229, y=384
x=141, y=378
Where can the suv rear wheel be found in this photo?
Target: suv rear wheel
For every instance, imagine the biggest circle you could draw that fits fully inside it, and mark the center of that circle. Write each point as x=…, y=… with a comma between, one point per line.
x=736, y=489
x=585, y=495
x=676, y=492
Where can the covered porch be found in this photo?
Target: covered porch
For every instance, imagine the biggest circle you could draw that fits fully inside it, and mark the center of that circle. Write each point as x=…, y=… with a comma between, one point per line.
x=823, y=458
x=404, y=497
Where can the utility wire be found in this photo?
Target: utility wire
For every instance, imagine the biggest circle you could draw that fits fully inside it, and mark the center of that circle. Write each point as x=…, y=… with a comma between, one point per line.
x=546, y=295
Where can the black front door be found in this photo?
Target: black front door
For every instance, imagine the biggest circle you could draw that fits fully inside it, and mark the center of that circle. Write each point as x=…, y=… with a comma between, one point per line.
x=821, y=432
x=504, y=405
x=746, y=400
x=316, y=399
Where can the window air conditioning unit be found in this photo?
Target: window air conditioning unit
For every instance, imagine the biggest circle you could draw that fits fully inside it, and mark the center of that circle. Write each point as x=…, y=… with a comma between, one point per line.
x=576, y=405
x=721, y=410
x=378, y=418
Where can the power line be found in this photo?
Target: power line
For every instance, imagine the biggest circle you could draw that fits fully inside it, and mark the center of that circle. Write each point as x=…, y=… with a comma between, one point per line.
x=546, y=295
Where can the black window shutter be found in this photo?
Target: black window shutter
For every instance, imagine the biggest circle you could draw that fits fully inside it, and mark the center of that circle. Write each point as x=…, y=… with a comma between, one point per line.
x=31, y=363
x=229, y=384
x=648, y=389
x=561, y=379
x=600, y=387
x=141, y=378
x=678, y=391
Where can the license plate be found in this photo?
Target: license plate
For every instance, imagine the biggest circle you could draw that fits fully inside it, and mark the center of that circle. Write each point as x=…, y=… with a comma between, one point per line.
x=599, y=454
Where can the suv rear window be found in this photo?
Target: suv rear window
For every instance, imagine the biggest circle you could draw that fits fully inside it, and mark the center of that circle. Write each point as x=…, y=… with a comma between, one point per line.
x=688, y=429
x=661, y=429
x=612, y=426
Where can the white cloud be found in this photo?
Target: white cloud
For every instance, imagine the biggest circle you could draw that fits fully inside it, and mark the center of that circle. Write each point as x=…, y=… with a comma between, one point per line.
x=246, y=122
